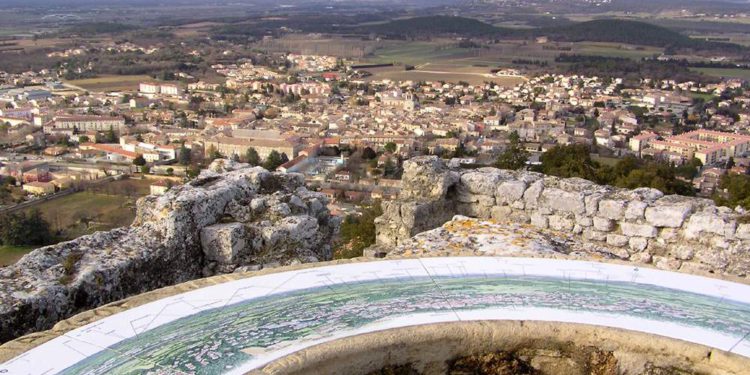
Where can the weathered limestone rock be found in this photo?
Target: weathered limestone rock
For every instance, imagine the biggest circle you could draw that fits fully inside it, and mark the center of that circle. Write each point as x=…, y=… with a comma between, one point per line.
x=426, y=178
x=561, y=223
x=222, y=243
x=207, y=226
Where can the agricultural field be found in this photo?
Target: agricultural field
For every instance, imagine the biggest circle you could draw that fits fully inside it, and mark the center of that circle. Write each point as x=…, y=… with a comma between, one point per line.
x=725, y=72
x=103, y=207
x=415, y=53
x=615, y=50
x=86, y=212
x=448, y=74
x=110, y=83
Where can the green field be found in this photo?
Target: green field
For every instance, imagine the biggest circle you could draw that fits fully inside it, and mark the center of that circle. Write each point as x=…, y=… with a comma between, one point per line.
x=416, y=53
x=725, y=72
x=69, y=214
x=11, y=254
x=109, y=206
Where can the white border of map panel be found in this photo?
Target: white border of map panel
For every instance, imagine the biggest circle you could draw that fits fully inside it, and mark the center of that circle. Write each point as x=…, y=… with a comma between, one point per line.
x=65, y=351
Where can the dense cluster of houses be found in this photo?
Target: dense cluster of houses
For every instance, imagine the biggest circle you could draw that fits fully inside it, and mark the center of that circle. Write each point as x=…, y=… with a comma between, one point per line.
x=314, y=109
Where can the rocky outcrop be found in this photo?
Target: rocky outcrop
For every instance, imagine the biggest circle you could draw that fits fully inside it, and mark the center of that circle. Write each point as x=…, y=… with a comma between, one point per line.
x=642, y=225
x=231, y=218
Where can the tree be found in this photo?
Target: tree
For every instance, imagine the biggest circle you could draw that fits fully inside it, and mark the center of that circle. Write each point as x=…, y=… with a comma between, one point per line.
x=110, y=136
x=515, y=156
x=390, y=147
x=170, y=171
x=184, y=155
x=735, y=191
x=569, y=161
x=252, y=157
x=84, y=139
x=212, y=153
x=139, y=160
x=358, y=232
x=273, y=161
x=390, y=168
x=19, y=229
x=368, y=153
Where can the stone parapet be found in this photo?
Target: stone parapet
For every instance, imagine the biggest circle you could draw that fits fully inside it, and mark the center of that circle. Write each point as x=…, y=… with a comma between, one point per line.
x=642, y=225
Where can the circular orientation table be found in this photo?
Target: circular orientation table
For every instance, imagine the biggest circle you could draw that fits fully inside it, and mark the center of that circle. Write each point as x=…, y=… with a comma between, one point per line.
x=244, y=324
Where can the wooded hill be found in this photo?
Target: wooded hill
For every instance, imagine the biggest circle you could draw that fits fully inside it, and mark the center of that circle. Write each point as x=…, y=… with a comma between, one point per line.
x=609, y=30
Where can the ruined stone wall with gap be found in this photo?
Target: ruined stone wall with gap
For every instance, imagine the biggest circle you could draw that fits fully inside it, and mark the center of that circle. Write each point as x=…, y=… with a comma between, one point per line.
x=643, y=225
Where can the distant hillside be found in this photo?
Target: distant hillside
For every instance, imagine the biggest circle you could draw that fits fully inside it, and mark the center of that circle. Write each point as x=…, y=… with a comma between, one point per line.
x=618, y=31
x=630, y=32
x=436, y=25
x=609, y=30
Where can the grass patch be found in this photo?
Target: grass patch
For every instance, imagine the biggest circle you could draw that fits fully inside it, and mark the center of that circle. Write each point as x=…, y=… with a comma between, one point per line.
x=11, y=254
x=702, y=95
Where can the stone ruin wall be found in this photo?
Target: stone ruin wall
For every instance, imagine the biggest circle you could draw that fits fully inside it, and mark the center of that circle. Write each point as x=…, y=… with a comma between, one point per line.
x=231, y=218
x=643, y=225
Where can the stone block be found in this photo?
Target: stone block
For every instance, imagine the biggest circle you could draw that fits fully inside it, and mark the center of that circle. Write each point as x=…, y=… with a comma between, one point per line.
x=617, y=240
x=564, y=201
x=665, y=263
x=612, y=209
x=668, y=215
x=705, y=222
x=636, y=210
x=532, y=194
x=584, y=221
x=590, y=234
x=638, y=230
x=684, y=252
x=509, y=192
x=603, y=224
x=638, y=244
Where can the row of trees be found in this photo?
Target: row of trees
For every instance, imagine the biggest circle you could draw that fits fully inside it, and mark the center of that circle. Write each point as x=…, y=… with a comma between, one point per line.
x=629, y=172
x=273, y=160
